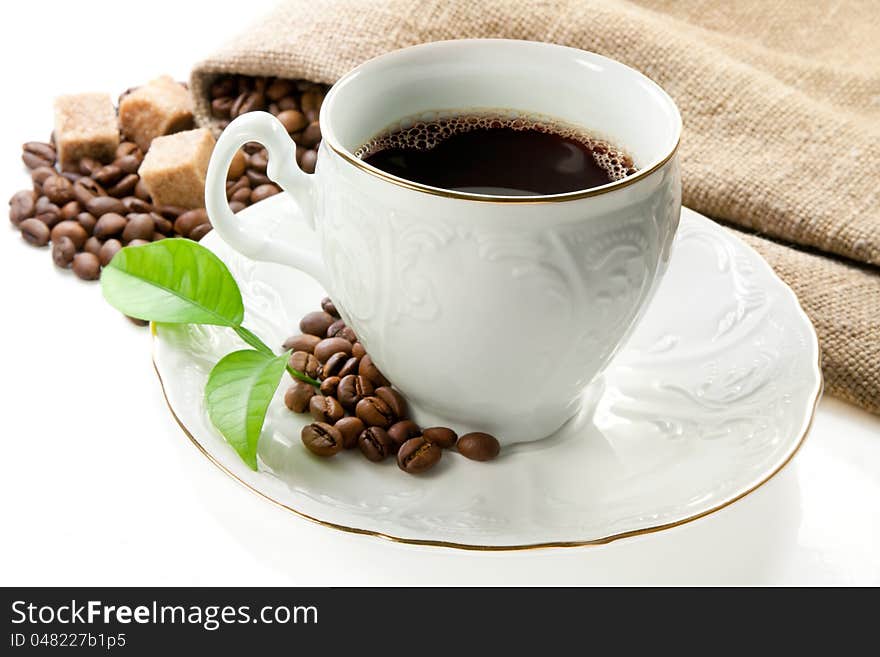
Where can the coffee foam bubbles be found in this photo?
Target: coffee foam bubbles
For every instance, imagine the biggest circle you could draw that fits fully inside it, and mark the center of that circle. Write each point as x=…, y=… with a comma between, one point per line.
x=430, y=129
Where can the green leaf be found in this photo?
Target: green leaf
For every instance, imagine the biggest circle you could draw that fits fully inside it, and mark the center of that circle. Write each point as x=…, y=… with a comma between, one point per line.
x=176, y=281
x=237, y=395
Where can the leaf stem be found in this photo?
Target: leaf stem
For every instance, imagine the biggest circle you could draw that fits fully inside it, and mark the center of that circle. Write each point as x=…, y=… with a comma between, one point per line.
x=253, y=340
x=296, y=374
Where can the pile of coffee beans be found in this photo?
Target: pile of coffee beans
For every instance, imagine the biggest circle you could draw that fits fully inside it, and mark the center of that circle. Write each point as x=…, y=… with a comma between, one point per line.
x=356, y=406
x=91, y=213
x=88, y=214
x=296, y=103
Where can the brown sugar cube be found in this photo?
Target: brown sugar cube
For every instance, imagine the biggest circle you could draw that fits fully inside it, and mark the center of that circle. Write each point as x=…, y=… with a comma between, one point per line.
x=85, y=126
x=160, y=107
x=175, y=167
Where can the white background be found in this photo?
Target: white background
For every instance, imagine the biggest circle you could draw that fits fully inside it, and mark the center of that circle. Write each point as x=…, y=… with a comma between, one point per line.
x=99, y=486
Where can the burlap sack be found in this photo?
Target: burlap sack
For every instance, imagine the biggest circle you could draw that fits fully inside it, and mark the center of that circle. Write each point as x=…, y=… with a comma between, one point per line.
x=780, y=101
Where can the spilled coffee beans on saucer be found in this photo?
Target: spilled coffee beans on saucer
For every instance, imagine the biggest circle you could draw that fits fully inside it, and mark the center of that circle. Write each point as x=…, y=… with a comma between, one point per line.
x=355, y=405
x=498, y=155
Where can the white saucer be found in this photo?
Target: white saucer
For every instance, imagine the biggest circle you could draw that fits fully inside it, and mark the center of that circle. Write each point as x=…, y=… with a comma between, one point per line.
x=713, y=394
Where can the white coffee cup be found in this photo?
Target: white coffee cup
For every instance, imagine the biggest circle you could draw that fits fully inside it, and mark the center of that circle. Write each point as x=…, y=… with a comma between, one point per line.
x=489, y=313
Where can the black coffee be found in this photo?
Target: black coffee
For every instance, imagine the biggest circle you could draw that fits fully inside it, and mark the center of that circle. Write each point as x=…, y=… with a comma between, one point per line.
x=497, y=155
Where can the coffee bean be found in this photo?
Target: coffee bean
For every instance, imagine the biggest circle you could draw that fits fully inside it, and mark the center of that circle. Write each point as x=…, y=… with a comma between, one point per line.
x=401, y=431
x=101, y=205
x=442, y=436
x=357, y=350
x=221, y=108
x=350, y=367
x=325, y=409
x=86, y=189
x=311, y=135
x=352, y=389
x=329, y=346
x=338, y=329
x=263, y=192
x=162, y=224
x=479, y=446
x=247, y=102
x=417, y=455
x=394, y=399
x=242, y=195
x=369, y=370
x=311, y=100
x=241, y=183
x=305, y=363
x=127, y=164
x=298, y=395
x=333, y=366
x=134, y=204
x=139, y=227
x=126, y=148
x=107, y=174
x=141, y=191
x=236, y=207
x=110, y=224
x=87, y=266
x=374, y=412
x=138, y=242
x=223, y=86
x=289, y=103
x=71, y=176
x=157, y=236
x=125, y=186
x=350, y=428
x=278, y=89
x=88, y=166
x=303, y=342
x=109, y=249
x=93, y=245
x=172, y=212
x=259, y=161
x=308, y=161
x=22, y=206
x=58, y=189
x=321, y=439
x=37, y=154
x=292, y=120
x=40, y=149
x=41, y=174
x=328, y=386
x=43, y=204
x=329, y=307
x=63, y=251
x=34, y=232
x=188, y=220
x=375, y=444
x=197, y=233
x=47, y=212
x=87, y=221
x=316, y=323
x=256, y=178
x=72, y=230
x=70, y=210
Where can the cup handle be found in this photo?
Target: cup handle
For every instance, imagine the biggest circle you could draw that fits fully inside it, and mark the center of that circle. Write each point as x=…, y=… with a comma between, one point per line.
x=265, y=129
